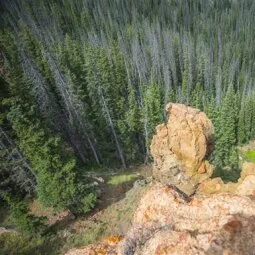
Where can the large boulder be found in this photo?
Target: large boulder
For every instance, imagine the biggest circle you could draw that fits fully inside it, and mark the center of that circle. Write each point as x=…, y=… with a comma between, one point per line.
x=181, y=146
x=247, y=186
x=168, y=222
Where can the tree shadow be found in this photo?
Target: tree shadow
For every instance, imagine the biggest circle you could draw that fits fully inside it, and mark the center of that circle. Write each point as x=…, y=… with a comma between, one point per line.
x=227, y=174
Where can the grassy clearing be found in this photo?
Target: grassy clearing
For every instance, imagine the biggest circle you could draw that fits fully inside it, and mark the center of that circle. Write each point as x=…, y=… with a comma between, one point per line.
x=116, y=219
x=250, y=155
x=121, y=179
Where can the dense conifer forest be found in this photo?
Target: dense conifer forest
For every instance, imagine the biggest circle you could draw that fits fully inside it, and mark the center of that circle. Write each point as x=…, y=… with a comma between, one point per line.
x=84, y=83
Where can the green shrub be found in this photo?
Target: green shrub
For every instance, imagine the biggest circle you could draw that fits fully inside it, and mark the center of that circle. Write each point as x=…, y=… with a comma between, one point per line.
x=23, y=221
x=88, y=202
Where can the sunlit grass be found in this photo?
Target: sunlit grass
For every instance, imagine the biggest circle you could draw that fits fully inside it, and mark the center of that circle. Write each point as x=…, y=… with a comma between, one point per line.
x=250, y=155
x=120, y=179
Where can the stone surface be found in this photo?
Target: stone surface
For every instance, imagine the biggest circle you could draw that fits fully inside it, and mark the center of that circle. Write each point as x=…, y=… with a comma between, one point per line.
x=168, y=222
x=180, y=148
x=107, y=246
x=6, y=230
x=244, y=187
x=247, y=169
x=247, y=186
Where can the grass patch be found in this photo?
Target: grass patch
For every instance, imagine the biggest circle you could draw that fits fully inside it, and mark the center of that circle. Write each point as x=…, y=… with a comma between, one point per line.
x=87, y=236
x=15, y=243
x=250, y=155
x=120, y=179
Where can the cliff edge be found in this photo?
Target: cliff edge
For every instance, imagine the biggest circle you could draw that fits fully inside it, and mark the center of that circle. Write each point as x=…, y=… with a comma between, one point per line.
x=170, y=219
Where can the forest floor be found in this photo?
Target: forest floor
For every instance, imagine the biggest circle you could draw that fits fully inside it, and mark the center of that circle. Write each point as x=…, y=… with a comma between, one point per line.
x=114, y=211
x=119, y=196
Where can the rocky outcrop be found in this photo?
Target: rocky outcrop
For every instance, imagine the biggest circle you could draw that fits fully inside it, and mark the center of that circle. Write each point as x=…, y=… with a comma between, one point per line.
x=244, y=187
x=219, y=219
x=181, y=146
x=168, y=223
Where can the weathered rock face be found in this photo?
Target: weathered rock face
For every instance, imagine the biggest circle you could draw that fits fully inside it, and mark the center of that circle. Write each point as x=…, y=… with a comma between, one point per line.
x=167, y=223
x=181, y=146
x=246, y=183
x=248, y=169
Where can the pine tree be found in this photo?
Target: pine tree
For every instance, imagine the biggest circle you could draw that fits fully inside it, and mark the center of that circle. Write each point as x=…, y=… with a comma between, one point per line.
x=226, y=128
x=241, y=132
x=152, y=111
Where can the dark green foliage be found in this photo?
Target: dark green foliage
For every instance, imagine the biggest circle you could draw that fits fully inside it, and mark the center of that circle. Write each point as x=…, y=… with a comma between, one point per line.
x=19, y=244
x=86, y=82
x=94, y=68
x=54, y=167
x=242, y=137
x=50, y=161
x=22, y=220
x=226, y=132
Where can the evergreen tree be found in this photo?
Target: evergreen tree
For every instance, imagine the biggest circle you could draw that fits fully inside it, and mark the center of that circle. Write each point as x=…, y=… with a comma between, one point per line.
x=26, y=223
x=101, y=84
x=226, y=128
x=241, y=132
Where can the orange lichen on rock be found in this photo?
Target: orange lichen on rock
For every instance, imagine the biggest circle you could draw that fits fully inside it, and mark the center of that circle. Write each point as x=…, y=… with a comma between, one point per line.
x=112, y=240
x=106, y=247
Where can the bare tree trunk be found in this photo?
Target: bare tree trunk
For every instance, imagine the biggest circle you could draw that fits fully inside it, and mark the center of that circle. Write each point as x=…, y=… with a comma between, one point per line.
x=73, y=107
x=21, y=169
x=120, y=152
